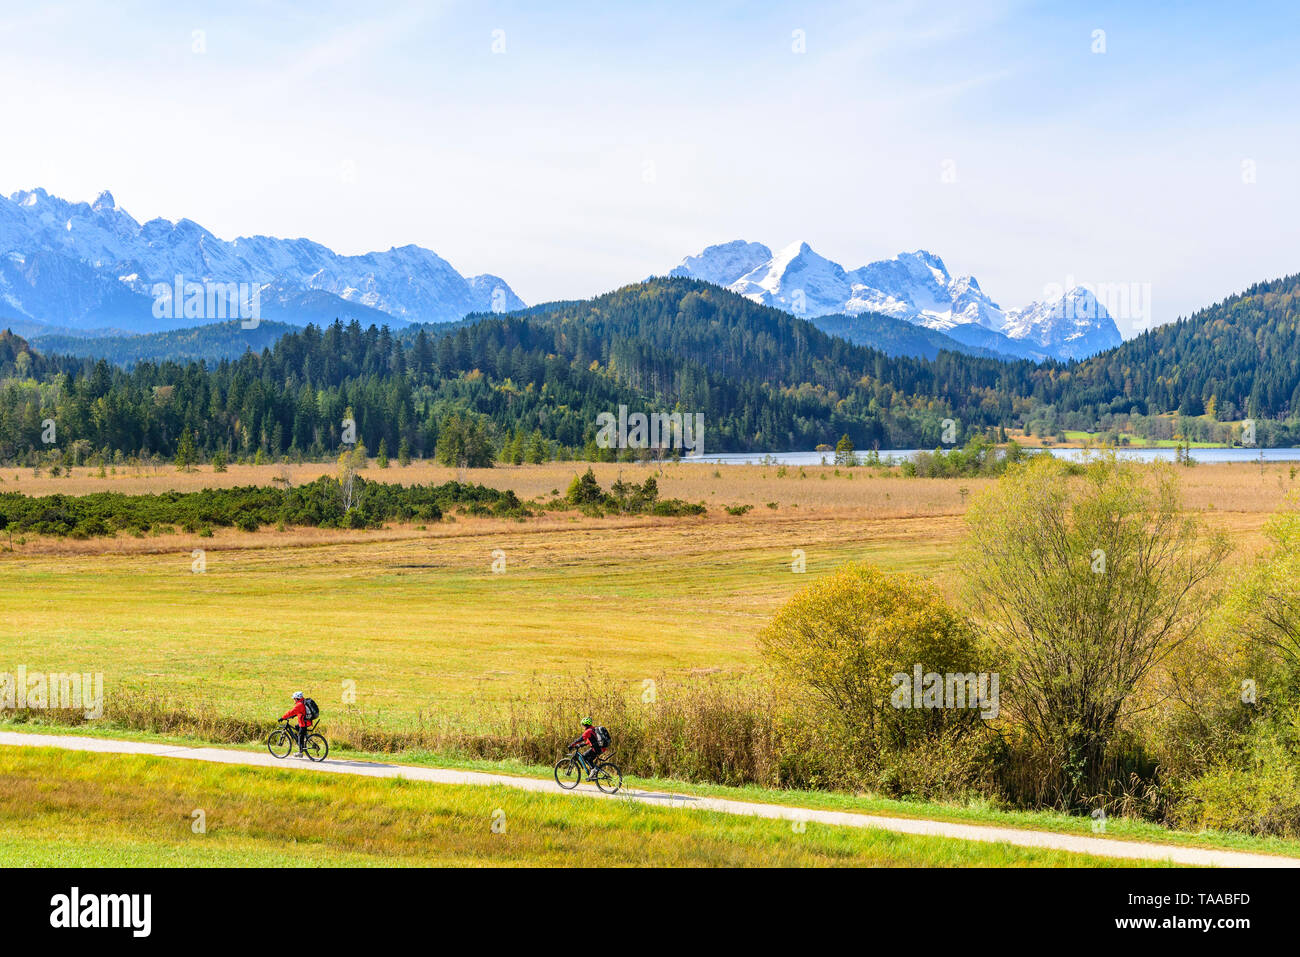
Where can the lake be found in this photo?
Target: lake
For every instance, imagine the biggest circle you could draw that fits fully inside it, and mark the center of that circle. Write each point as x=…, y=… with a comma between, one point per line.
x=898, y=455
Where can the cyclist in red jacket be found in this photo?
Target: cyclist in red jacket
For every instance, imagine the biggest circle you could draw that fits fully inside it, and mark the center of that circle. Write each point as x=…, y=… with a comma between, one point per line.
x=300, y=711
x=588, y=738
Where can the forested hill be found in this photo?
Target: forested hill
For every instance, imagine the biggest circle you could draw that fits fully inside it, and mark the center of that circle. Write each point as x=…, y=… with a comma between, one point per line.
x=688, y=342
x=211, y=343
x=1240, y=357
x=763, y=379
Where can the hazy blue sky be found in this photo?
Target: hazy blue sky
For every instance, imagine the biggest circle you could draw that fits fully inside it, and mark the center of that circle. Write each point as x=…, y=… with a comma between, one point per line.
x=604, y=143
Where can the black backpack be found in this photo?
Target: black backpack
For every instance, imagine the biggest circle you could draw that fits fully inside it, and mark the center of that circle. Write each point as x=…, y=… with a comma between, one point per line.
x=313, y=711
x=601, y=736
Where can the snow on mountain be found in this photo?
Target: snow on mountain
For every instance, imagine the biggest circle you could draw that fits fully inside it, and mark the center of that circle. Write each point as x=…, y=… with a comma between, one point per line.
x=796, y=279
x=913, y=286
x=1075, y=326
x=93, y=266
x=721, y=264
x=491, y=294
x=106, y=265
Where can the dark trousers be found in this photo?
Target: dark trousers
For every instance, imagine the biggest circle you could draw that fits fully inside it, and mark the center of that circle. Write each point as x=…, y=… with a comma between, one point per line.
x=302, y=738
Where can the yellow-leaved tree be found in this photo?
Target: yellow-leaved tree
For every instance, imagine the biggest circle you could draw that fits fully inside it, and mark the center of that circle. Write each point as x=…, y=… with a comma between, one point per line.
x=841, y=641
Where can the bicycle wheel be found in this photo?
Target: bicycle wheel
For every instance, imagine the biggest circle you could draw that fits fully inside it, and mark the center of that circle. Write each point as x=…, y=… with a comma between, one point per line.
x=567, y=773
x=609, y=778
x=317, y=747
x=279, y=743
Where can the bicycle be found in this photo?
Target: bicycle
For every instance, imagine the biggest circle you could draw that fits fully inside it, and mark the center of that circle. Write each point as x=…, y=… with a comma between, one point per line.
x=604, y=774
x=282, y=740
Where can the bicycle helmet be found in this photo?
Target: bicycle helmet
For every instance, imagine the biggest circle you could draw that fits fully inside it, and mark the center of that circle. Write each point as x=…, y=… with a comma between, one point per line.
x=586, y=722
x=297, y=696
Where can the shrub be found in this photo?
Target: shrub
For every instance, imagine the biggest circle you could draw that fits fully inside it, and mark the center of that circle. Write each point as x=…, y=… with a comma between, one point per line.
x=585, y=493
x=844, y=638
x=584, y=490
x=1260, y=795
x=318, y=503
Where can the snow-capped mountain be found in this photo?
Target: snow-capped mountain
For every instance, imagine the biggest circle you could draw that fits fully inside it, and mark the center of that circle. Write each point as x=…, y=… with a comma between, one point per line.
x=724, y=263
x=1075, y=326
x=88, y=265
x=913, y=286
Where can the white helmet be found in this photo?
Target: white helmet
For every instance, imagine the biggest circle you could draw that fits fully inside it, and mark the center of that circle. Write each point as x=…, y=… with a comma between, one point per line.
x=297, y=696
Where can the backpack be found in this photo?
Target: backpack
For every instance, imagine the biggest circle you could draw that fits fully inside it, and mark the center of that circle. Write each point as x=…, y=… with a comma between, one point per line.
x=312, y=709
x=601, y=737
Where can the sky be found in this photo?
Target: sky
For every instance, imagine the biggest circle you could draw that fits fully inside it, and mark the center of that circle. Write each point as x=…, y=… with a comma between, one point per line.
x=1151, y=146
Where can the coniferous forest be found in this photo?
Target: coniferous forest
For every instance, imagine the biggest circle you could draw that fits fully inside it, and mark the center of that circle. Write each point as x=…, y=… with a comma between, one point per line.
x=529, y=386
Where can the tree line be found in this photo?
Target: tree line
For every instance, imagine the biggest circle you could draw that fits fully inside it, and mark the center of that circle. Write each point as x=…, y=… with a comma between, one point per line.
x=529, y=387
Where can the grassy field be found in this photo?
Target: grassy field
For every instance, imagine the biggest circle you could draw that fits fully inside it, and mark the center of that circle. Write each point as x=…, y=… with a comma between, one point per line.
x=415, y=620
x=1080, y=439
x=423, y=624
x=67, y=809
x=1077, y=438
x=975, y=811
x=418, y=622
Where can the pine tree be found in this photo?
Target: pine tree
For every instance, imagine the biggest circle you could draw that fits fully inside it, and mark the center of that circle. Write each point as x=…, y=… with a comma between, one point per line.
x=844, y=451
x=185, y=454
x=536, y=448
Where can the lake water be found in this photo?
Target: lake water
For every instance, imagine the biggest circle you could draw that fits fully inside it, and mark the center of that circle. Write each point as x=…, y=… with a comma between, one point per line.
x=899, y=455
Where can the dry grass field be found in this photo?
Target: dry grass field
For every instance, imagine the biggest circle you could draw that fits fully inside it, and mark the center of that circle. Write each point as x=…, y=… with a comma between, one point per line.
x=418, y=621
x=1227, y=487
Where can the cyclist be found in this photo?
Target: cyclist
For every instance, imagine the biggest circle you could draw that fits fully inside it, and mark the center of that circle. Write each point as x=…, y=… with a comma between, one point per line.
x=300, y=710
x=587, y=738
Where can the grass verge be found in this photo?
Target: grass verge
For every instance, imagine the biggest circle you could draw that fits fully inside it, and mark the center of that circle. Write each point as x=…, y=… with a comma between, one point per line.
x=61, y=808
x=1117, y=828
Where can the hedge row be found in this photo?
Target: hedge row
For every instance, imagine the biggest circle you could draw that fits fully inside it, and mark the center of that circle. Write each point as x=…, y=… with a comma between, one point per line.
x=322, y=503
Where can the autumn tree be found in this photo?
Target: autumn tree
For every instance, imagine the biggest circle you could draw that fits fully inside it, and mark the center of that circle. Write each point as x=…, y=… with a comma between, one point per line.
x=845, y=637
x=1085, y=579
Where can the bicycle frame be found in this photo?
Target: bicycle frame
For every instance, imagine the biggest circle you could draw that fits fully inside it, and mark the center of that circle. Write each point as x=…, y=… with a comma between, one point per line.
x=587, y=766
x=294, y=730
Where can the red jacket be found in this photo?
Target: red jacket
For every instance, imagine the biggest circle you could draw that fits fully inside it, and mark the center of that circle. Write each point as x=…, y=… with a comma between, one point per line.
x=589, y=739
x=300, y=710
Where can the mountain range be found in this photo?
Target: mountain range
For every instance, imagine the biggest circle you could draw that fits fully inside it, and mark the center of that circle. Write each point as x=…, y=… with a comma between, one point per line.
x=90, y=269
x=766, y=379
x=915, y=287
x=92, y=266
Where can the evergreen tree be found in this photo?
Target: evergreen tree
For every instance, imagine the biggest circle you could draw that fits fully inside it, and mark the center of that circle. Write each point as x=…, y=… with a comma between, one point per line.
x=844, y=451
x=186, y=456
